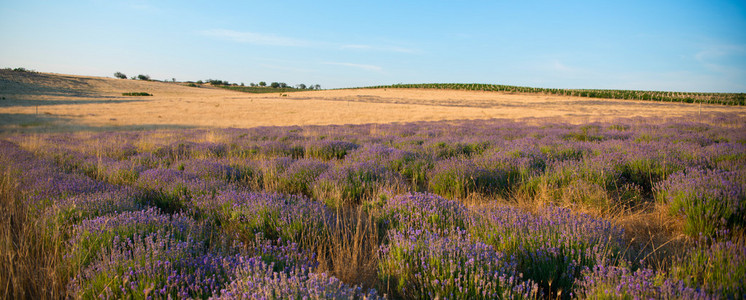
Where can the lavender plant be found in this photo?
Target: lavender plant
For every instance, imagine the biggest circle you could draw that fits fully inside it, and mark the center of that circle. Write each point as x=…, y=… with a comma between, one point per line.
x=458, y=178
x=94, y=236
x=351, y=184
x=423, y=211
x=291, y=218
x=327, y=150
x=551, y=247
x=254, y=279
x=708, y=200
x=610, y=282
x=285, y=175
x=448, y=264
x=154, y=265
x=171, y=190
x=718, y=269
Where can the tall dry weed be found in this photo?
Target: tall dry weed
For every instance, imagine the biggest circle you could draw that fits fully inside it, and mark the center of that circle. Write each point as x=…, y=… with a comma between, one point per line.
x=30, y=251
x=348, y=247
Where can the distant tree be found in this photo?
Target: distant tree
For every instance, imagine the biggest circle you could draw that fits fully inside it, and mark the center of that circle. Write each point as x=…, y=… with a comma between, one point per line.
x=302, y=86
x=218, y=82
x=242, y=84
x=283, y=85
x=275, y=85
x=173, y=79
x=143, y=77
x=262, y=83
x=252, y=84
x=317, y=87
x=120, y=75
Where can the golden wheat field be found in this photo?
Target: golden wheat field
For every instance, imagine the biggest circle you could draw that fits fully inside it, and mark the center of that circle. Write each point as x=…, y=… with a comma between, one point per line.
x=42, y=102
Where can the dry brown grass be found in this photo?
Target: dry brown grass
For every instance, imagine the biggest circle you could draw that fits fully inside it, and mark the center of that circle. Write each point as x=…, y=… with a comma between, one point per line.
x=348, y=247
x=51, y=103
x=30, y=250
x=653, y=236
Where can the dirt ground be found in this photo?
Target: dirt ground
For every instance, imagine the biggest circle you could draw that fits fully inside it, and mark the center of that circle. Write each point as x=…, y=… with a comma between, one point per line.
x=41, y=102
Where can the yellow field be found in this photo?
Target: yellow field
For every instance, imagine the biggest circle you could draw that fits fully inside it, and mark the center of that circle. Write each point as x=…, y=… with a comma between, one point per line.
x=40, y=102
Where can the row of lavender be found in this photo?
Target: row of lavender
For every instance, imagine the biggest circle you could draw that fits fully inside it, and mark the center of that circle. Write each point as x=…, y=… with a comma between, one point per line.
x=240, y=213
x=695, y=169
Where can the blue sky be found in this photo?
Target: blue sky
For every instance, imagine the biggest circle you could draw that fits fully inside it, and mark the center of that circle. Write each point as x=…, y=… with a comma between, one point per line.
x=645, y=45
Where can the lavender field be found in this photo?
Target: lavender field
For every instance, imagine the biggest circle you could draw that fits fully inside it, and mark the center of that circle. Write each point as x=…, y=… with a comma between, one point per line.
x=480, y=209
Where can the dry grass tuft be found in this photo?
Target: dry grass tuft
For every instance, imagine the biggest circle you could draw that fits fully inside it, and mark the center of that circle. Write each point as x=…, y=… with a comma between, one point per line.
x=348, y=247
x=30, y=251
x=654, y=237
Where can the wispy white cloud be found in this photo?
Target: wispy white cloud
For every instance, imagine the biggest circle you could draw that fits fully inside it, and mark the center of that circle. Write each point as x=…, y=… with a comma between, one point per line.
x=719, y=51
x=720, y=60
x=256, y=38
x=557, y=65
x=285, y=68
x=357, y=47
x=359, y=66
x=556, y=68
x=379, y=48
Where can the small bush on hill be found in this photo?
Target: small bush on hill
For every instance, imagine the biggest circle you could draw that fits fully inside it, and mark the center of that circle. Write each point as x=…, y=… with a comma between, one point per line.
x=137, y=94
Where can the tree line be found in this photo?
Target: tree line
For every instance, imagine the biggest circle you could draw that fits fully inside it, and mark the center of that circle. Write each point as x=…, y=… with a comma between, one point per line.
x=225, y=83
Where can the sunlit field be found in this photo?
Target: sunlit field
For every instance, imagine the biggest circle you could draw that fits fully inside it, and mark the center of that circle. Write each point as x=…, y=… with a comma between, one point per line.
x=542, y=150
x=472, y=209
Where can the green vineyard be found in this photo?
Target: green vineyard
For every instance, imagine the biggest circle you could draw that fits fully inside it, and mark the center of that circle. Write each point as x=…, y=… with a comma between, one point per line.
x=686, y=97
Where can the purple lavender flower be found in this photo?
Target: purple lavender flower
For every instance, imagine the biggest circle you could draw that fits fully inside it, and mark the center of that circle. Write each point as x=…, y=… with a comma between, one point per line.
x=448, y=264
x=708, y=200
x=552, y=246
x=424, y=211
x=619, y=282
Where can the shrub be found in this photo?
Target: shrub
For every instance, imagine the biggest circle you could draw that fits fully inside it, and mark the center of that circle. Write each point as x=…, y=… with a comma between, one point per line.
x=459, y=178
x=713, y=271
x=154, y=266
x=719, y=269
x=273, y=216
x=422, y=264
x=411, y=167
x=351, y=184
x=708, y=200
x=551, y=247
x=423, y=211
x=329, y=149
x=120, y=75
x=254, y=279
x=95, y=236
x=137, y=94
x=285, y=175
x=610, y=282
x=277, y=148
x=171, y=190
